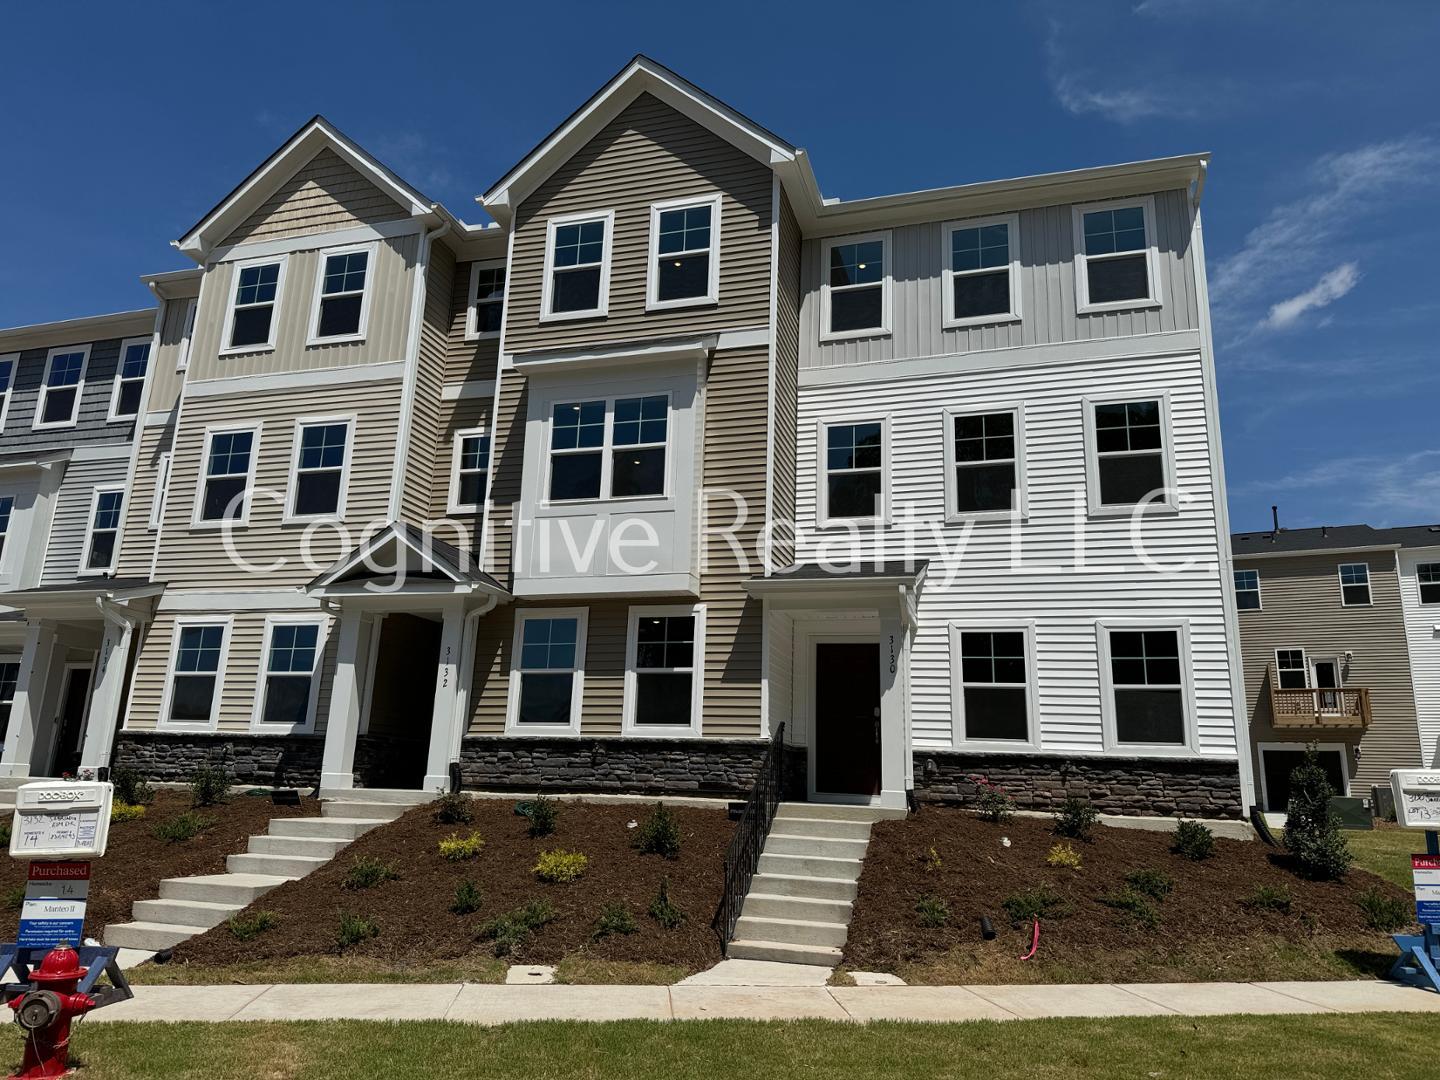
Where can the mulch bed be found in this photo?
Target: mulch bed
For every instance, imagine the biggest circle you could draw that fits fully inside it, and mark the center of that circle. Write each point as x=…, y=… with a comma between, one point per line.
x=416, y=925
x=1203, y=915
x=136, y=860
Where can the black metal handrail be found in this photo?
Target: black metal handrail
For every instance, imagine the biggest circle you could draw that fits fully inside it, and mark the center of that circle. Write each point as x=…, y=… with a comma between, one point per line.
x=743, y=856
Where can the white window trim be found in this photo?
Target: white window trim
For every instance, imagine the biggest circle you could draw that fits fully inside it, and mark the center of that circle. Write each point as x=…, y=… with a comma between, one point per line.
x=43, y=395
x=948, y=275
x=162, y=486
x=257, y=721
x=1259, y=588
x=547, y=286
x=313, y=337
x=577, y=689
x=83, y=569
x=1304, y=666
x=292, y=486
x=471, y=322
x=957, y=686
x=454, y=505
x=1299, y=747
x=119, y=382
x=1021, y=510
x=227, y=328
x=163, y=721
x=196, y=521
x=187, y=334
x=823, y=519
x=652, y=274
x=1170, y=503
x=1083, y=306
x=826, y=334
x=9, y=389
x=1419, y=585
x=1190, y=747
x=607, y=448
x=697, y=674
x=1369, y=584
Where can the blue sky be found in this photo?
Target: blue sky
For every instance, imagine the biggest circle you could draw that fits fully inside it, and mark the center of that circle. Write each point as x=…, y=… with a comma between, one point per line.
x=122, y=124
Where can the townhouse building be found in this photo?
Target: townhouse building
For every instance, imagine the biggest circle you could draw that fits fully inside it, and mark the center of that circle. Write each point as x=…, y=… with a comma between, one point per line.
x=678, y=457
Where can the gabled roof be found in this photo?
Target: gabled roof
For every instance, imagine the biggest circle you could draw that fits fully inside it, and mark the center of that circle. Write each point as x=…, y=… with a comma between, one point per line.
x=437, y=559
x=1333, y=538
x=87, y=328
x=641, y=75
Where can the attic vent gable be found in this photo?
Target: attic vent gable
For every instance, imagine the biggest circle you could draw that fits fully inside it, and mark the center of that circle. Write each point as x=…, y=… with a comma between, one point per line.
x=323, y=195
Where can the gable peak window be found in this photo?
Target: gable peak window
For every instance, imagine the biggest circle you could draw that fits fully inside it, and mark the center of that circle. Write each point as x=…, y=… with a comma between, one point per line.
x=229, y=456
x=684, y=252
x=1115, y=255
x=340, y=303
x=100, y=543
x=1147, y=687
x=320, y=465
x=855, y=292
x=982, y=283
x=986, y=460
x=1354, y=584
x=487, y=300
x=60, y=389
x=130, y=378
x=578, y=265
x=1130, y=452
x=252, y=316
x=854, y=482
x=1247, y=590
x=1428, y=577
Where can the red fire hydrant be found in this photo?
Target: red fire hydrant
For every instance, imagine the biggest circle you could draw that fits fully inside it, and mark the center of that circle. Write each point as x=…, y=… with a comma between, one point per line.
x=45, y=1012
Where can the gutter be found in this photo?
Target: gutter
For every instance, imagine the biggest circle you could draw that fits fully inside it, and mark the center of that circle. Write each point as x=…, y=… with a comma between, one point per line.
x=1307, y=552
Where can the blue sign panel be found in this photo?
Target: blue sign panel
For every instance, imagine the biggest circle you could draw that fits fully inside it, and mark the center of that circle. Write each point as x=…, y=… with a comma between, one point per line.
x=47, y=933
x=1428, y=911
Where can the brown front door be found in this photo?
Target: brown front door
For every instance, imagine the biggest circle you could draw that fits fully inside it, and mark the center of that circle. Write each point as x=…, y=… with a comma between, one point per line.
x=847, y=718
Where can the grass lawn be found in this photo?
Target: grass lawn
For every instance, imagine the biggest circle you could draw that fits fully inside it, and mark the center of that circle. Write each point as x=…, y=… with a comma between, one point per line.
x=320, y=969
x=1373, y=1047
x=1386, y=852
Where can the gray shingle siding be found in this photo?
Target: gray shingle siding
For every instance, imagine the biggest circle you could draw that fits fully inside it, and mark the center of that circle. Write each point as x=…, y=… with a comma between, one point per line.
x=91, y=425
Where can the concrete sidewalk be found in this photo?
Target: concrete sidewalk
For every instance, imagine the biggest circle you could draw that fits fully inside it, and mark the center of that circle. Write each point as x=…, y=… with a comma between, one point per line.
x=486, y=1004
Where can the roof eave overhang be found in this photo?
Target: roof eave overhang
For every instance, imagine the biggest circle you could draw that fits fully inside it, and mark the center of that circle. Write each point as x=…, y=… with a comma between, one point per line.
x=1307, y=552
x=87, y=328
x=174, y=284
x=75, y=603
x=679, y=350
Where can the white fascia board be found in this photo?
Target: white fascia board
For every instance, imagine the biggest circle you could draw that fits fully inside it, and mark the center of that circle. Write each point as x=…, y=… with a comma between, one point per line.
x=85, y=330
x=1241, y=557
x=174, y=284
x=693, y=350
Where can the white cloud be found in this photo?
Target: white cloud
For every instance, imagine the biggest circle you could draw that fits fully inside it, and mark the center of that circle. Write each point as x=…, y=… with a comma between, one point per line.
x=1074, y=89
x=1331, y=287
x=1382, y=491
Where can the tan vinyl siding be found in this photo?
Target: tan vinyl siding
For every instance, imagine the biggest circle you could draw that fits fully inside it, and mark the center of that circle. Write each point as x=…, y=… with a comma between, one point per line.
x=325, y=194
x=467, y=361
x=1302, y=610
x=165, y=381
x=429, y=377
x=197, y=557
x=649, y=153
x=786, y=369
x=455, y=416
x=507, y=465
x=137, y=540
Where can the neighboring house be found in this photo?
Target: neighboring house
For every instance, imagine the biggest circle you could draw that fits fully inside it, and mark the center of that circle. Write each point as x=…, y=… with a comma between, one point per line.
x=1341, y=644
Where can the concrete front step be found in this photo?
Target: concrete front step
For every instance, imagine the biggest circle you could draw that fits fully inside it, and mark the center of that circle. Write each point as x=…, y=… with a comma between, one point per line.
x=285, y=866
x=791, y=931
x=183, y=912
x=331, y=828
x=817, y=955
x=783, y=844
x=319, y=847
x=150, y=936
x=804, y=886
x=237, y=889
x=378, y=812
x=395, y=796
x=809, y=866
x=840, y=811
x=766, y=905
x=831, y=828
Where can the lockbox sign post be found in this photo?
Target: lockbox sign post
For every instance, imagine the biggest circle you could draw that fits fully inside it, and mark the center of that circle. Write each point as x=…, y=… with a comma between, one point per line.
x=1417, y=806
x=59, y=827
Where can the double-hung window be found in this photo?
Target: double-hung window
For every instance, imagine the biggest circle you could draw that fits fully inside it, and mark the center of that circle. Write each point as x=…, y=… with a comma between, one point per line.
x=228, y=468
x=1115, y=255
x=7, y=509
x=487, y=300
x=469, y=471
x=291, y=677
x=101, y=539
x=9, y=677
x=61, y=387
x=1129, y=457
x=322, y=459
x=1428, y=577
x=982, y=271
x=663, y=675
x=547, y=670
x=684, y=253
x=1291, y=671
x=852, y=481
x=855, y=286
x=130, y=378
x=1354, y=584
x=1147, y=686
x=995, y=696
x=341, y=296
x=253, y=304
x=577, y=266
x=612, y=448
x=986, y=458
x=197, y=667
x=1247, y=590
x=7, y=381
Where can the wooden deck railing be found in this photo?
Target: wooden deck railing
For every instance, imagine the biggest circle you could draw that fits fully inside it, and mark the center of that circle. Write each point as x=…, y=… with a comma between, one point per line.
x=1343, y=708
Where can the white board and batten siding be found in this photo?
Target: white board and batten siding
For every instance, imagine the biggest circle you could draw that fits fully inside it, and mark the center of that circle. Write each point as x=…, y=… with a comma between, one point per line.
x=1064, y=603
x=1422, y=629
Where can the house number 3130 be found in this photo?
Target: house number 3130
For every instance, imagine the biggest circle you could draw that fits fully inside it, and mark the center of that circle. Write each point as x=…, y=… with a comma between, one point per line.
x=892, y=654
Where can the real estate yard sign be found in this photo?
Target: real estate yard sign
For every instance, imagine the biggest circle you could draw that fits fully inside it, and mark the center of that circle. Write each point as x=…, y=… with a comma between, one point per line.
x=59, y=827
x=54, y=907
x=1426, y=869
x=1417, y=806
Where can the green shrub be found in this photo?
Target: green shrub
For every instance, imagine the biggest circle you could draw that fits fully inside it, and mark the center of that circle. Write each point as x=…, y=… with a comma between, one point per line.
x=544, y=815
x=452, y=809
x=5, y=834
x=659, y=834
x=183, y=827
x=131, y=787
x=1274, y=898
x=1037, y=903
x=560, y=867
x=933, y=863
x=1064, y=855
x=367, y=871
x=119, y=811
x=209, y=786
x=1312, y=834
x=663, y=909
x=246, y=927
x=467, y=898
x=1193, y=841
x=1076, y=819
x=991, y=802
x=934, y=912
x=15, y=898
x=456, y=848
x=1156, y=884
x=1384, y=913
x=1137, y=907
x=355, y=929
x=614, y=919
x=514, y=928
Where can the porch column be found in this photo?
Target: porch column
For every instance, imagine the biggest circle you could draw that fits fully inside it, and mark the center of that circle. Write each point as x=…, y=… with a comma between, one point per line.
x=445, y=720
x=342, y=723
x=30, y=686
x=110, y=663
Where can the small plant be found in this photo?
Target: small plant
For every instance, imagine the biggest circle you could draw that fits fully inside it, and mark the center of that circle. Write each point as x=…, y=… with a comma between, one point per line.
x=614, y=919
x=1274, y=898
x=247, y=927
x=934, y=912
x=119, y=811
x=467, y=898
x=183, y=827
x=366, y=872
x=663, y=909
x=5, y=833
x=1156, y=884
x=1384, y=913
x=1193, y=841
x=452, y=809
x=1037, y=903
x=1076, y=819
x=1064, y=855
x=991, y=801
x=209, y=786
x=559, y=867
x=1138, y=908
x=1312, y=834
x=457, y=848
x=15, y=898
x=131, y=787
x=544, y=815
x=355, y=929
x=514, y=928
x=659, y=834
x=933, y=863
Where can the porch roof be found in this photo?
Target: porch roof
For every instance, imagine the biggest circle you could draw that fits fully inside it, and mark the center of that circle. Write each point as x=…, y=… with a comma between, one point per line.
x=81, y=599
x=438, y=561
x=812, y=575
